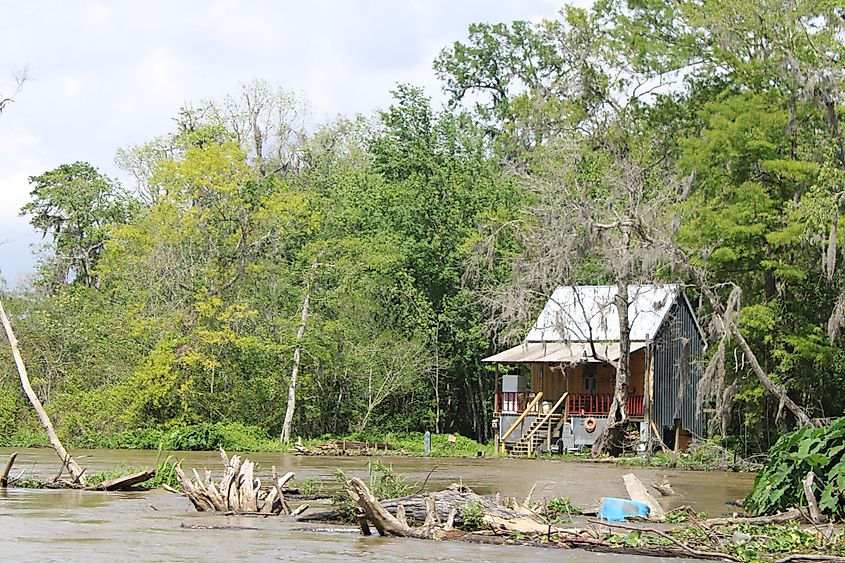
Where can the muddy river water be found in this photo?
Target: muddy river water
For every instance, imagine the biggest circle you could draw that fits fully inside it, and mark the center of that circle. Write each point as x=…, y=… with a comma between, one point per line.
x=49, y=525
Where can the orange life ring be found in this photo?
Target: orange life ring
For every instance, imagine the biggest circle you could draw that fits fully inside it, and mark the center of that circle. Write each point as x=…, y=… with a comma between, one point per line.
x=589, y=424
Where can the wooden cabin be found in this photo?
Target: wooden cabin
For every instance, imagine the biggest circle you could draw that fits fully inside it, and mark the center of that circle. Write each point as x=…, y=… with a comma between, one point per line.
x=553, y=391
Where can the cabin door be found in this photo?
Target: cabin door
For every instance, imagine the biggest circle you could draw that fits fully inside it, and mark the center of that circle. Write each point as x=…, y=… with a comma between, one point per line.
x=589, y=379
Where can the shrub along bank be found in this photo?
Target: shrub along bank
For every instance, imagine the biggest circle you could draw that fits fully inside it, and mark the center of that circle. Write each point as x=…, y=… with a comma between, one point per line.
x=240, y=437
x=780, y=485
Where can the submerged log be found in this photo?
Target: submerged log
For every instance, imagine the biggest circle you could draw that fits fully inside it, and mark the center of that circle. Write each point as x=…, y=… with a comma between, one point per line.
x=665, y=488
x=123, y=483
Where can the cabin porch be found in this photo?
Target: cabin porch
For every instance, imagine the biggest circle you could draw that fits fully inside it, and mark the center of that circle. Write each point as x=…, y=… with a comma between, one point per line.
x=541, y=404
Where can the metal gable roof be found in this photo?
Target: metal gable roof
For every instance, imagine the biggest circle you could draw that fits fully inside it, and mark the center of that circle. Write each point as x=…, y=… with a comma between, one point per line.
x=560, y=352
x=587, y=313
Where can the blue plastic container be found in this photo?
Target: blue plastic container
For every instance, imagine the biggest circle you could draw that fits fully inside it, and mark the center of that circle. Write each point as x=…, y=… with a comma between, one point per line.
x=620, y=509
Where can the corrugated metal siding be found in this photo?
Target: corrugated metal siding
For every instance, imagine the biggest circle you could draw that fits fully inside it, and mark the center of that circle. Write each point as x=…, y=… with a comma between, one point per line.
x=678, y=355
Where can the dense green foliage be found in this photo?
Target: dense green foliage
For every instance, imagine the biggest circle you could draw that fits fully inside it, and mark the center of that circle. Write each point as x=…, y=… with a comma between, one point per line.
x=780, y=485
x=627, y=142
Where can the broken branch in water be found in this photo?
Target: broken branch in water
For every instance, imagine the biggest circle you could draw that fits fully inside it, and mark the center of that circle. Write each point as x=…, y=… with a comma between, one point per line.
x=4, y=477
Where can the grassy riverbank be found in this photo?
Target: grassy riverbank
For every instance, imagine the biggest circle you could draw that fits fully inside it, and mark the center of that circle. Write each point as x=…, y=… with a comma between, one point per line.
x=709, y=455
x=238, y=437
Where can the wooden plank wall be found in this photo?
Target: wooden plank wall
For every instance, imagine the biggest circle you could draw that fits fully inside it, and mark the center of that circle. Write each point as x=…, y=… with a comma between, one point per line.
x=553, y=383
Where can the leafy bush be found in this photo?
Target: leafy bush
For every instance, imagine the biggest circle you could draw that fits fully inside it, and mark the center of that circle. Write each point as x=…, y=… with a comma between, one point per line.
x=195, y=437
x=91, y=440
x=705, y=455
x=384, y=482
x=472, y=516
x=557, y=509
x=140, y=439
x=820, y=450
x=242, y=437
x=26, y=437
x=343, y=505
x=165, y=473
x=9, y=407
x=310, y=486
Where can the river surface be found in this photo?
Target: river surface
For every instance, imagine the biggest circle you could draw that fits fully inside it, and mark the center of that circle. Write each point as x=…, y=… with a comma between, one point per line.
x=50, y=525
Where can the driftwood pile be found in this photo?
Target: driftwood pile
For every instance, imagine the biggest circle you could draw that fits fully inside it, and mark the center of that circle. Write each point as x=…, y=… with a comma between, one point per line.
x=505, y=520
x=343, y=448
x=239, y=491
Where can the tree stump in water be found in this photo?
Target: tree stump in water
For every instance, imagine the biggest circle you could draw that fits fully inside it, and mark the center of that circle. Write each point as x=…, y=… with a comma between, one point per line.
x=238, y=492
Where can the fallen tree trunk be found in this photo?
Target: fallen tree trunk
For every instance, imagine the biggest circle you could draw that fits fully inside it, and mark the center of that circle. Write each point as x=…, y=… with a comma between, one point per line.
x=730, y=326
x=76, y=472
x=495, y=517
x=444, y=501
x=123, y=483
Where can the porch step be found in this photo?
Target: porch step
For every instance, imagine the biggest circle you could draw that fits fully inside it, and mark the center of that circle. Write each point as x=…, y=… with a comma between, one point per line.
x=538, y=440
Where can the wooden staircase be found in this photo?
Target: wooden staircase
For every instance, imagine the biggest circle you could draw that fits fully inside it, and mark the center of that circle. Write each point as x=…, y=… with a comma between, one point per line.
x=534, y=439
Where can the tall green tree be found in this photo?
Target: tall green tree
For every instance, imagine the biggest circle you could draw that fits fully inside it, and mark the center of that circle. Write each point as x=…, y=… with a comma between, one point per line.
x=77, y=207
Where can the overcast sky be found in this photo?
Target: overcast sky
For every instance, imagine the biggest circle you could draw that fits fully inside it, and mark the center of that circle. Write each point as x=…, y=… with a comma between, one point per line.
x=111, y=74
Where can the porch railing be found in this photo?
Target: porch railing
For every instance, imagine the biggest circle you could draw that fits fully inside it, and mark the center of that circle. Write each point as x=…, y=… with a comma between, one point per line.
x=506, y=402
x=509, y=402
x=584, y=403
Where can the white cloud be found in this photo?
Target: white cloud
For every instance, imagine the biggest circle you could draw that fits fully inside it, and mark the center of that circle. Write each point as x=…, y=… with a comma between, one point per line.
x=96, y=14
